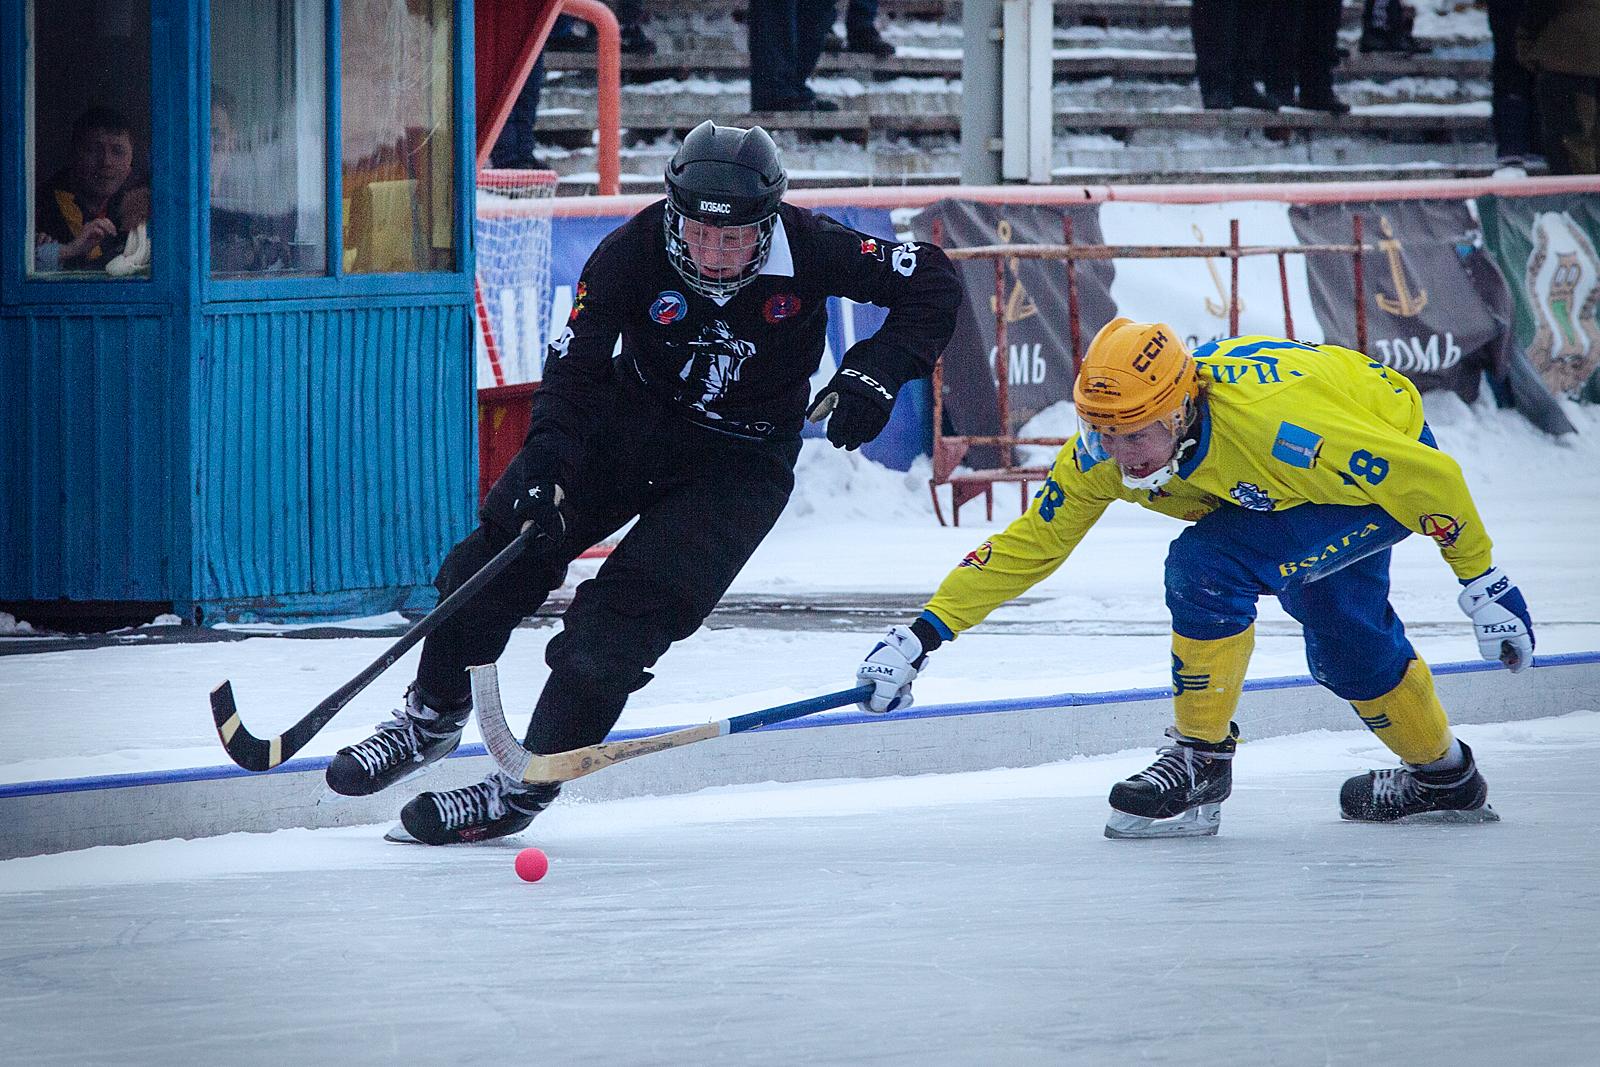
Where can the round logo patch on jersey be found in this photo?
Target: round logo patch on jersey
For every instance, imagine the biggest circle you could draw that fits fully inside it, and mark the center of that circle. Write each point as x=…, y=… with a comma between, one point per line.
x=670, y=306
x=780, y=306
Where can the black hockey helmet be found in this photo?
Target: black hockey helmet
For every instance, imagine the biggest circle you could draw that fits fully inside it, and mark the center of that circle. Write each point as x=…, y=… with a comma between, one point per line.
x=732, y=179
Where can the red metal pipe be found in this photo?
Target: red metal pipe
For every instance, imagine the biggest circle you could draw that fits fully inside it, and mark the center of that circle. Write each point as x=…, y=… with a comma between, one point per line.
x=608, y=74
x=1233, y=284
x=1283, y=282
x=896, y=196
x=1074, y=320
x=1360, y=287
x=1002, y=359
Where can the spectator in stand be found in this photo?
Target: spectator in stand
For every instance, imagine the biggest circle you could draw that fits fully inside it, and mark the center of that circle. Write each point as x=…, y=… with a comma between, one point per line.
x=1386, y=27
x=1559, y=40
x=1516, y=114
x=575, y=35
x=861, y=32
x=785, y=43
x=1224, y=57
x=514, y=148
x=86, y=212
x=1306, y=49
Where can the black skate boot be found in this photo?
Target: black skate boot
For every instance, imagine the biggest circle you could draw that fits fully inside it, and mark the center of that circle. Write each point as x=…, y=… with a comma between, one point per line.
x=1407, y=793
x=495, y=807
x=416, y=736
x=1180, y=794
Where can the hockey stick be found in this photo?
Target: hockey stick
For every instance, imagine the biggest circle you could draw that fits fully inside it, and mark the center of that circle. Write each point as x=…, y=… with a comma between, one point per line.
x=257, y=754
x=526, y=766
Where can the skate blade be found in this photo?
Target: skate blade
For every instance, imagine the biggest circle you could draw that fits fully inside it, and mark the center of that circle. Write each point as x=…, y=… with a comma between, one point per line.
x=1448, y=818
x=1199, y=821
x=400, y=835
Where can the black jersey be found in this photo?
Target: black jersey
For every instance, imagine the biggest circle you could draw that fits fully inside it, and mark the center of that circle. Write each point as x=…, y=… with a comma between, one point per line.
x=742, y=367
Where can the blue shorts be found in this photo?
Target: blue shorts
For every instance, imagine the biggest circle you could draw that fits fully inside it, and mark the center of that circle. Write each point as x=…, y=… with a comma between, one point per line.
x=1327, y=564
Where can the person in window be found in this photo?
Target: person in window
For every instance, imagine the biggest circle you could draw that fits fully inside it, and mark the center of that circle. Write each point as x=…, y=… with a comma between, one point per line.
x=88, y=209
x=244, y=239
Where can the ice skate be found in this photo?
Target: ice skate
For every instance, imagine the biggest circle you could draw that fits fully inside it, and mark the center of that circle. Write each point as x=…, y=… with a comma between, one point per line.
x=416, y=736
x=1408, y=794
x=1180, y=794
x=495, y=807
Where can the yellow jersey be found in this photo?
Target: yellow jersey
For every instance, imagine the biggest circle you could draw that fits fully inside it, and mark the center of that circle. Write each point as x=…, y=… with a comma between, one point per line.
x=1282, y=423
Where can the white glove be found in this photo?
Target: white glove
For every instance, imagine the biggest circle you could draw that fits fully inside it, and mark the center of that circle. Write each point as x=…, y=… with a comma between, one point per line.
x=1499, y=618
x=890, y=668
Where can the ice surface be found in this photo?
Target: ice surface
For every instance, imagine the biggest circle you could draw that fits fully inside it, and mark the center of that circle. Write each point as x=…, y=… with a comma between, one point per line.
x=977, y=918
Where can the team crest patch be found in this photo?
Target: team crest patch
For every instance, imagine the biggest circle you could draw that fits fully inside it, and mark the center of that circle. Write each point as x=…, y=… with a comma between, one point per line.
x=870, y=247
x=780, y=306
x=978, y=558
x=1249, y=495
x=577, y=301
x=670, y=306
x=1445, y=529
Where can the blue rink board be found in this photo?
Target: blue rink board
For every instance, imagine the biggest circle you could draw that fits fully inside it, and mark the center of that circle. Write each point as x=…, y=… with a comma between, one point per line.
x=934, y=711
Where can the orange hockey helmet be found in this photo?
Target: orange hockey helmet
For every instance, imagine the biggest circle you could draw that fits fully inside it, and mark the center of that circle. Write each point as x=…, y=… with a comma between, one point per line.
x=1136, y=374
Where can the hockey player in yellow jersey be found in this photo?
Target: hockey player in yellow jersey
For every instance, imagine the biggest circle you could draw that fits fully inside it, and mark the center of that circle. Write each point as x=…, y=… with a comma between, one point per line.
x=1299, y=467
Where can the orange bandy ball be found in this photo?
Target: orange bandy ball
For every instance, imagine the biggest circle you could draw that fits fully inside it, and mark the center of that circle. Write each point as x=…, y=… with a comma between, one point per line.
x=532, y=864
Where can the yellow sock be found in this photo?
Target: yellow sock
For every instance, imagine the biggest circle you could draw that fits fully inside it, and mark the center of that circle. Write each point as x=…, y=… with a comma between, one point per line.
x=1207, y=677
x=1409, y=718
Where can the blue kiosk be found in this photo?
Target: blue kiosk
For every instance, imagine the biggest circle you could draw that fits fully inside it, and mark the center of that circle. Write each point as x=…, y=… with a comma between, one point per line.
x=236, y=306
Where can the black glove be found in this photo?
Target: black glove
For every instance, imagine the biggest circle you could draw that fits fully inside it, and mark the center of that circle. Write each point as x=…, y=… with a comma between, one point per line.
x=544, y=505
x=859, y=405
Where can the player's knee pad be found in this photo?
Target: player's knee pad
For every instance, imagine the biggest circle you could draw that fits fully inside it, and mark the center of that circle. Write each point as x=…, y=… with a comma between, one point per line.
x=1409, y=718
x=1207, y=592
x=1207, y=677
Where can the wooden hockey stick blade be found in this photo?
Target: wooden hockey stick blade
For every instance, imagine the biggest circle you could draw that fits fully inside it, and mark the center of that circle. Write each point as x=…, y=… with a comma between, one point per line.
x=526, y=766
x=257, y=754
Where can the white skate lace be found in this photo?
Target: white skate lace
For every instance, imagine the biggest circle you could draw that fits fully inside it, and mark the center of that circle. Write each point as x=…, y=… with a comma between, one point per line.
x=395, y=742
x=479, y=803
x=1394, y=786
x=1176, y=765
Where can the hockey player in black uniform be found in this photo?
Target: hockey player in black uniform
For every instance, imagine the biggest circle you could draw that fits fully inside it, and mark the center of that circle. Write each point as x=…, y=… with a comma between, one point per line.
x=719, y=294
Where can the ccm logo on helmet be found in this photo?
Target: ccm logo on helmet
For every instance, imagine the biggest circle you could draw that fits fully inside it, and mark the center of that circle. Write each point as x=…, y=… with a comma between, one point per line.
x=718, y=207
x=1147, y=355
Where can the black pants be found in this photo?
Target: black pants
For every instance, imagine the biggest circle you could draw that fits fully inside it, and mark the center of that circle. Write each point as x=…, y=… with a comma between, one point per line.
x=704, y=501
x=1516, y=113
x=1227, y=44
x=1299, y=48
x=785, y=43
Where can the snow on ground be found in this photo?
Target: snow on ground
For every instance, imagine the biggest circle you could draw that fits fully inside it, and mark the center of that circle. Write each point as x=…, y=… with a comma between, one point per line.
x=857, y=531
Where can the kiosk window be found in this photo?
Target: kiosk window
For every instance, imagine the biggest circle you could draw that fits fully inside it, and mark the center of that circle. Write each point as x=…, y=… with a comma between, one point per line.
x=89, y=139
x=268, y=137
x=397, y=94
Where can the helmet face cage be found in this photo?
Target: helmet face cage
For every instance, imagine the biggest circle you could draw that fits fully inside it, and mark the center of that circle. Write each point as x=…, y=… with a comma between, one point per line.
x=755, y=237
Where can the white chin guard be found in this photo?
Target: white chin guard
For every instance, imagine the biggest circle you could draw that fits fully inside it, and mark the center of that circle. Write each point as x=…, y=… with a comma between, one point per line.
x=1156, y=478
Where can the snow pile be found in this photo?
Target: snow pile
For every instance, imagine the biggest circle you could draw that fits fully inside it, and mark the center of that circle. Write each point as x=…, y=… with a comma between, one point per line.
x=832, y=485
x=11, y=626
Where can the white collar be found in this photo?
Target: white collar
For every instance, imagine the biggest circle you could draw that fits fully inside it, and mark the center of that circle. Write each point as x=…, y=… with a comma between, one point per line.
x=780, y=261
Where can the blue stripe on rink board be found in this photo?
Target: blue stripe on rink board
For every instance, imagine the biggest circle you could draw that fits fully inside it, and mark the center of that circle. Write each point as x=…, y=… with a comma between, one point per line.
x=984, y=707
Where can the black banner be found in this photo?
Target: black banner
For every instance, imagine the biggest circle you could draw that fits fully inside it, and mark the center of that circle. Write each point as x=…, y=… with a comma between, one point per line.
x=1034, y=304
x=1430, y=290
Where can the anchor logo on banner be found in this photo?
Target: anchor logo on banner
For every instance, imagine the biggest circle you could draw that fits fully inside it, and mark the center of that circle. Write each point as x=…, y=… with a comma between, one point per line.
x=1019, y=305
x=1404, y=303
x=1218, y=308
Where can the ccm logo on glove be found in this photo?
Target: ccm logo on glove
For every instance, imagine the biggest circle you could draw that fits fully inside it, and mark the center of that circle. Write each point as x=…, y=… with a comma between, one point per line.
x=859, y=406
